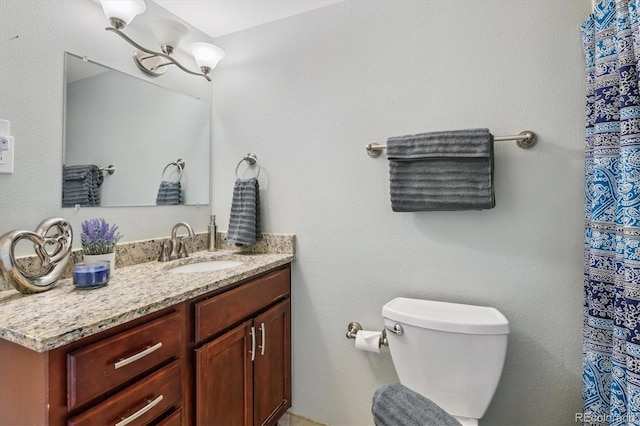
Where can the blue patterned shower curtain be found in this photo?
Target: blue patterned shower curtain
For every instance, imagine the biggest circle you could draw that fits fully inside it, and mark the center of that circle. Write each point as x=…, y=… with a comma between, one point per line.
x=611, y=354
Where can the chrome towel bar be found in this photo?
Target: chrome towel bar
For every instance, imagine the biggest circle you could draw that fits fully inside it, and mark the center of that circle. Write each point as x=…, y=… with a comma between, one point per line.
x=524, y=140
x=111, y=169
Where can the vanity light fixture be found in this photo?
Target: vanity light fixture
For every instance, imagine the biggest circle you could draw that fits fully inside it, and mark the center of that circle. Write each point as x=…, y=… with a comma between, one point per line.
x=168, y=33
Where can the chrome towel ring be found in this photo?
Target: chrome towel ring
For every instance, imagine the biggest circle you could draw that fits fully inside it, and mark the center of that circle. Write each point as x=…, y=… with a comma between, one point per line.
x=179, y=163
x=250, y=158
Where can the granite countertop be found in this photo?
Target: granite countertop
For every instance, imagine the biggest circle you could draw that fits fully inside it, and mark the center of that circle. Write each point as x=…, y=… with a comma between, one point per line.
x=64, y=314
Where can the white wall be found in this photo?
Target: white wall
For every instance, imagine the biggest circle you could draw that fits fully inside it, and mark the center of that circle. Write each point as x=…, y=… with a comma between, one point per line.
x=307, y=93
x=31, y=97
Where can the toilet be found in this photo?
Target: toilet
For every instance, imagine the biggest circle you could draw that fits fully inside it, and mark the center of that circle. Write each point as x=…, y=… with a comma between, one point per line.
x=451, y=353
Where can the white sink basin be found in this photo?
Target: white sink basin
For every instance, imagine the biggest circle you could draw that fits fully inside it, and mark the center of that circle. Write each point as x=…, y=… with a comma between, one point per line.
x=212, y=265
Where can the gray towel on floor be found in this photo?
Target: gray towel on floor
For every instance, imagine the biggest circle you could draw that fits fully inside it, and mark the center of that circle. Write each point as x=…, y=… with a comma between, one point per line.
x=81, y=185
x=169, y=194
x=397, y=405
x=244, y=223
x=441, y=171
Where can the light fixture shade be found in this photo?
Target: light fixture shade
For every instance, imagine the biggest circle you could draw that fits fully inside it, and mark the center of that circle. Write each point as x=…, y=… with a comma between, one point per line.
x=124, y=10
x=206, y=55
x=168, y=32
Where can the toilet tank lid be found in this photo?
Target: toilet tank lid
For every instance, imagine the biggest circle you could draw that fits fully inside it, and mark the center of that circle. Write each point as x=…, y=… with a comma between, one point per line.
x=446, y=316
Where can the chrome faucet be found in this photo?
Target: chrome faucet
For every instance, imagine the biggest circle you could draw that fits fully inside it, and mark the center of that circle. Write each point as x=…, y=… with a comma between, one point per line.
x=174, y=230
x=178, y=248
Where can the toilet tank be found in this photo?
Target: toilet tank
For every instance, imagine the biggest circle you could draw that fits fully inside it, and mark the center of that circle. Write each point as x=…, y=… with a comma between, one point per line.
x=449, y=352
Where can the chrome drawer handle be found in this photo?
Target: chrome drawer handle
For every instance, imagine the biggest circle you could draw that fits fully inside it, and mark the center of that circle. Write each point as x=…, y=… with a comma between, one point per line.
x=397, y=329
x=253, y=344
x=263, y=339
x=134, y=358
x=141, y=411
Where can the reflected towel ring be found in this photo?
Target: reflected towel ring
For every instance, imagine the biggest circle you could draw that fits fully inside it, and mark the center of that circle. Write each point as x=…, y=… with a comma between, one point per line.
x=252, y=159
x=179, y=163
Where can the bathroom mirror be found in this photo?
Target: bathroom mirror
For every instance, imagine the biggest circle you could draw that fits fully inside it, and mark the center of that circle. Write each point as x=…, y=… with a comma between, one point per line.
x=112, y=118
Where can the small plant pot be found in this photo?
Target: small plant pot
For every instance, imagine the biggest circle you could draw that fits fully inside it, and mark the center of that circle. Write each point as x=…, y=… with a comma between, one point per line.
x=111, y=257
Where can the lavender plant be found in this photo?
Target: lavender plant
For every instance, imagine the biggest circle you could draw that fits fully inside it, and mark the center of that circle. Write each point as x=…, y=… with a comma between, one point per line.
x=98, y=237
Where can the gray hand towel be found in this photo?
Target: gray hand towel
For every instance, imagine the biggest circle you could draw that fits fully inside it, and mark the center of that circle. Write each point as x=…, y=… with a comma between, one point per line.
x=397, y=405
x=244, y=223
x=81, y=185
x=169, y=193
x=441, y=171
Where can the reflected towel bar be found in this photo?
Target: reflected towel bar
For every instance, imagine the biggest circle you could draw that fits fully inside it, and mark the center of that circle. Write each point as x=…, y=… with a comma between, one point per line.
x=525, y=140
x=179, y=163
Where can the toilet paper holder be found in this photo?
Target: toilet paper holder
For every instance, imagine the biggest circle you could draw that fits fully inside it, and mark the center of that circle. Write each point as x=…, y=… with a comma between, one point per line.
x=354, y=327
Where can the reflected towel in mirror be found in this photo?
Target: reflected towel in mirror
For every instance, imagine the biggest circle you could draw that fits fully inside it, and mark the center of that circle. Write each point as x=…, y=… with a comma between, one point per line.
x=169, y=193
x=81, y=185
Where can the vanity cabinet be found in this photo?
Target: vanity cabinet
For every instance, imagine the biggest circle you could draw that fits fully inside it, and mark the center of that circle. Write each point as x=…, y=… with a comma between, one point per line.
x=223, y=358
x=131, y=374
x=243, y=358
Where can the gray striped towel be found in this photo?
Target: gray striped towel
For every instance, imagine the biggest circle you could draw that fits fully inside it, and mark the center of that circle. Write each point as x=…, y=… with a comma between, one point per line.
x=169, y=193
x=441, y=171
x=81, y=185
x=244, y=223
x=395, y=404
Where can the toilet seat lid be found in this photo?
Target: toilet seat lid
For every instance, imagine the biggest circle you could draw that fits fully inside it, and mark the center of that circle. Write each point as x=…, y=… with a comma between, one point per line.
x=446, y=316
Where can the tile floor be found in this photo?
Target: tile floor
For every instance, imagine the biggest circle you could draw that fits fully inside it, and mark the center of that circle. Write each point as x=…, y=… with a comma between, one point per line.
x=290, y=419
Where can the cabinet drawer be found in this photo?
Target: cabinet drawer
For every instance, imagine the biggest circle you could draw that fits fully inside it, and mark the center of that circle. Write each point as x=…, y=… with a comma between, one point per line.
x=173, y=419
x=223, y=310
x=102, y=366
x=140, y=403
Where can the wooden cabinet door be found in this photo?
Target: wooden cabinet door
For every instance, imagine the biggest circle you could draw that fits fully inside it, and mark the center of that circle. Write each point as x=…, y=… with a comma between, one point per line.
x=272, y=365
x=224, y=379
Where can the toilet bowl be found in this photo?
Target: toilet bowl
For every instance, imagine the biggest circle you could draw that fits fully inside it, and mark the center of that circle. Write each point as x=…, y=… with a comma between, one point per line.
x=451, y=353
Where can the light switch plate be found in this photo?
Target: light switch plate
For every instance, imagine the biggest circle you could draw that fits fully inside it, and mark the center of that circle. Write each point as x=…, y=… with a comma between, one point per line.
x=6, y=158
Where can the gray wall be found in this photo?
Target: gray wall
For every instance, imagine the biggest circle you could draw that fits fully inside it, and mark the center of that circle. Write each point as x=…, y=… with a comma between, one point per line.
x=306, y=94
